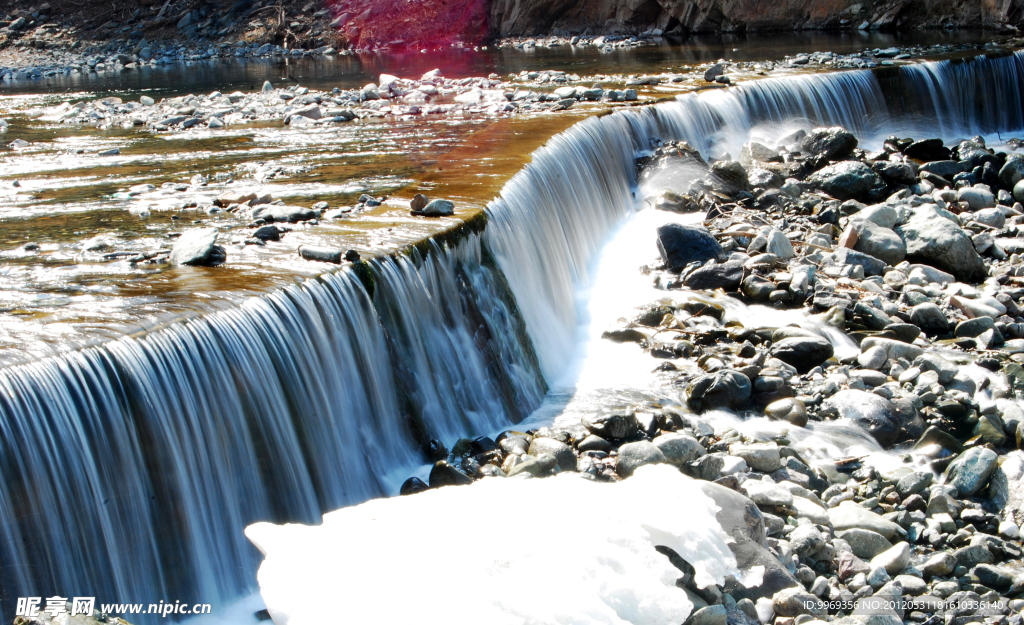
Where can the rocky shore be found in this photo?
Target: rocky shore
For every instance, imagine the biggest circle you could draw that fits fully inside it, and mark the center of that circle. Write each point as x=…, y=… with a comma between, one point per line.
x=913, y=252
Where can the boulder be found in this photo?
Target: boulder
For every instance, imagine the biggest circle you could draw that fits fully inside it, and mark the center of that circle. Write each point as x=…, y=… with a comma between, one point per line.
x=970, y=471
x=437, y=208
x=714, y=275
x=927, y=150
x=878, y=241
x=829, y=143
x=849, y=180
x=875, y=414
x=681, y=245
x=933, y=239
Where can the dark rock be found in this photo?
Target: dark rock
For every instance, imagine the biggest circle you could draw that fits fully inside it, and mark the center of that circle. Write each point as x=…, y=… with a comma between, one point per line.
x=713, y=276
x=927, y=150
x=721, y=389
x=896, y=173
x=929, y=318
x=681, y=245
x=994, y=577
x=970, y=471
x=267, y=233
x=560, y=451
x=612, y=425
x=946, y=169
x=803, y=352
x=714, y=72
x=277, y=213
x=829, y=143
x=418, y=203
x=412, y=486
x=729, y=177
x=444, y=474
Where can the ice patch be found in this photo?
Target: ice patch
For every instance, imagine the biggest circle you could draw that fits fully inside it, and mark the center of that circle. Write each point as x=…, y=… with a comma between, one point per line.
x=501, y=551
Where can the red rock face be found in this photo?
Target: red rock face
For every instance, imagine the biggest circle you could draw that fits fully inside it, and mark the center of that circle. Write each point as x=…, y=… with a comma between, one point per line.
x=414, y=24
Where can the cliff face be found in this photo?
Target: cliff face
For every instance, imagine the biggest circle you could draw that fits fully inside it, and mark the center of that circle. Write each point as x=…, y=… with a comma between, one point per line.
x=541, y=17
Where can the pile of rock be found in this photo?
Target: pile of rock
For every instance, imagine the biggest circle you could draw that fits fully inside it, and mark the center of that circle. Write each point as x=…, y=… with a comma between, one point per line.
x=911, y=251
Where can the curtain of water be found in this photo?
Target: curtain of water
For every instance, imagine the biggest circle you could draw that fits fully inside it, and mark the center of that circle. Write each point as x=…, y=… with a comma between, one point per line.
x=128, y=471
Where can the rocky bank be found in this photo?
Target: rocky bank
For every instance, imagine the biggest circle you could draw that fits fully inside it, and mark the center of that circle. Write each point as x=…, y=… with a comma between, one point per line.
x=913, y=252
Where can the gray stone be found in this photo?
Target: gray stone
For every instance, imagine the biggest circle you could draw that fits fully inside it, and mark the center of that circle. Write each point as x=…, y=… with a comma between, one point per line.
x=277, y=213
x=872, y=266
x=806, y=540
x=848, y=515
x=933, y=239
x=911, y=585
x=710, y=615
x=873, y=358
x=970, y=471
x=797, y=601
x=974, y=327
x=849, y=180
x=994, y=577
x=865, y=543
x=788, y=409
x=437, y=208
x=878, y=241
x=679, y=449
x=320, y=254
x=946, y=169
x=1012, y=171
x=197, y=247
x=540, y=466
x=762, y=457
x=976, y=198
x=914, y=483
x=804, y=352
x=973, y=555
x=612, y=424
x=939, y=565
x=893, y=560
x=634, y=455
x=714, y=275
x=929, y=318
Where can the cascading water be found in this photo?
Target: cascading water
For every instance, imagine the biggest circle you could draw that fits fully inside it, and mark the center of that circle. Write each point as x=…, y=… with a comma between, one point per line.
x=130, y=469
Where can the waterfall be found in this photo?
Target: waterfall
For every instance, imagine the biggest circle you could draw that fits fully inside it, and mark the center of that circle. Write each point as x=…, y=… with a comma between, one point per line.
x=128, y=469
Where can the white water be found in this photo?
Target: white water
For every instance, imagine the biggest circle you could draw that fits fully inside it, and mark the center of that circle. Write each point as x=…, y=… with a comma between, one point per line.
x=128, y=470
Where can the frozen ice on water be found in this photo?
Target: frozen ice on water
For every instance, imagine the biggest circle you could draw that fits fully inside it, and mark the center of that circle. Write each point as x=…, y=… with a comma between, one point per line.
x=556, y=550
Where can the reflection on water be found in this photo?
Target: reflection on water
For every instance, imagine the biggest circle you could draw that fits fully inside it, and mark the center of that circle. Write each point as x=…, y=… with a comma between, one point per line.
x=350, y=71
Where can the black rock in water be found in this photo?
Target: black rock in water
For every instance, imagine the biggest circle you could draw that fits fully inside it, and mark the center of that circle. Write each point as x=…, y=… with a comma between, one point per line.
x=927, y=150
x=412, y=486
x=444, y=474
x=681, y=245
x=803, y=352
x=829, y=143
x=713, y=276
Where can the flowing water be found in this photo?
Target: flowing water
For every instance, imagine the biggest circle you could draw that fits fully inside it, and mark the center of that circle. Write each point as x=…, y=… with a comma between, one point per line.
x=129, y=468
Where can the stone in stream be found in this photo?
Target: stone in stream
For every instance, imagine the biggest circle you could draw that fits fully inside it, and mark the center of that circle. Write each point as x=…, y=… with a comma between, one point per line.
x=539, y=466
x=927, y=150
x=714, y=72
x=681, y=245
x=418, y=203
x=444, y=474
x=436, y=208
x=848, y=180
x=267, y=233
x=679, y=449
x=612, y=424
x=970, y=471
x=559, y=450
x=729, y=177
x=278, y=213
x=788, y=409
x=197, y=247
x=320, y=254
x=829, y=143
x=875, y=414
x=803, y=352
x=412, y=486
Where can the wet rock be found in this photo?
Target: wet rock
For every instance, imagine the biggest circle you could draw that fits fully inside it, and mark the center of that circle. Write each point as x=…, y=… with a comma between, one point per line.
x=804, y=352
x=729, y=176
x=670, y=201
x=829, y=143
x=634, y=455
x=444, y=474
x=762, y=457
x=788, y=409
x=197, y=247
x=681, y=245
x=849, y=180
x=412, y=486
x=933, y=239
x=721, y=389
x=277, y=213
x=267, y=233
x=714, y=275
x=418, y=203
x=714, y=72
x=970, y=471
x=927, y=150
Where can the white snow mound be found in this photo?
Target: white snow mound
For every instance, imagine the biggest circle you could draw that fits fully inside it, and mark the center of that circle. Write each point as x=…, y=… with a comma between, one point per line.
x=560, y=550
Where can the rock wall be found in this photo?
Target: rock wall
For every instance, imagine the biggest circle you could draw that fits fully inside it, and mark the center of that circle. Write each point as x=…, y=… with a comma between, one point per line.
x=541, y=17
